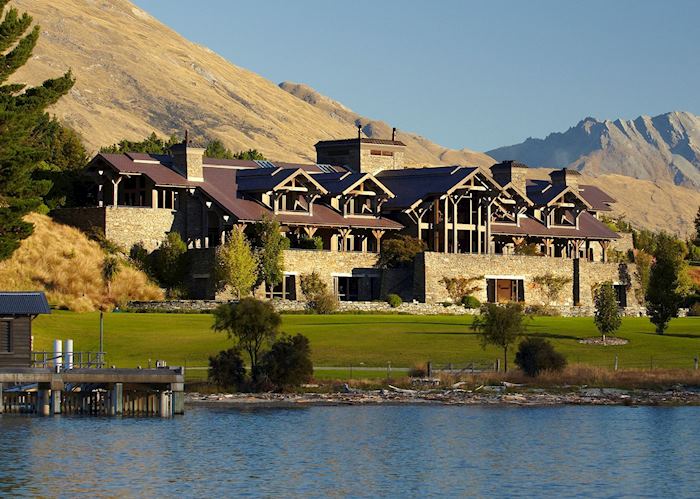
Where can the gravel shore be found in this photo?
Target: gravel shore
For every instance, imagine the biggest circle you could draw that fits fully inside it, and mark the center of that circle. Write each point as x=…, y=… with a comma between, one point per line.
x=489, y=395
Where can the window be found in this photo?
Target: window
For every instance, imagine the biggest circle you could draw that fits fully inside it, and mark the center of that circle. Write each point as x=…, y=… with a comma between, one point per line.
x=6, y=336
x=621, y=294
x=347, y=288
x=505, y=290
x=285, y=290
x=387, y=153
x=375, y=152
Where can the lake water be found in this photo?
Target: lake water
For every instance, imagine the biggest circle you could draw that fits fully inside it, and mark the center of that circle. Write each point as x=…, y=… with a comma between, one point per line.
x=358, y=451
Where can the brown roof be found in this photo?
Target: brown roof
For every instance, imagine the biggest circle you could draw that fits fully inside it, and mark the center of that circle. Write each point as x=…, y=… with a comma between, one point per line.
x=589, y=228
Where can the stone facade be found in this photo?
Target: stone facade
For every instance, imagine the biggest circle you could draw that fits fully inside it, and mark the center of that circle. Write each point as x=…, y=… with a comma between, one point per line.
x=436, y=266
x=126, y=226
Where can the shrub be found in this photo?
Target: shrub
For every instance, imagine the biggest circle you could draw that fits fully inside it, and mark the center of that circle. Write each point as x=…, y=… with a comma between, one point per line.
x=542, y=310
x=459, y=287
x=311, y=243
x=324, y=303
x=418, y=371
x=394, y=300
x=399, y=251
x=312, y=285
x=170, y=262
x=694, y=310
x=470, y=302
x=551, y=285
x=288, y=362
x=226, y=369
x=535, y=355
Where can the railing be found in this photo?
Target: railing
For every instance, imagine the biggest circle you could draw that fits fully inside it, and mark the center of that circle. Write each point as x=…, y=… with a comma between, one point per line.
x=75, y=360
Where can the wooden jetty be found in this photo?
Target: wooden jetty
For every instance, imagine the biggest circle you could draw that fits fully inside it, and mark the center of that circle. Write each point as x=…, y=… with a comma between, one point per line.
x=93, y=391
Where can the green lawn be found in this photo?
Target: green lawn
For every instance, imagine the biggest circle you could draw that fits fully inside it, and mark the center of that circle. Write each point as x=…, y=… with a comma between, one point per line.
x=363, y=340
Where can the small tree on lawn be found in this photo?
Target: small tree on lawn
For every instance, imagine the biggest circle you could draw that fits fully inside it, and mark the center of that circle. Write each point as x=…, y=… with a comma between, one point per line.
x=236, y=266
x=662, y=297
x=500, y=326
x=551, y=285
x=254, y=324
x=607, y=312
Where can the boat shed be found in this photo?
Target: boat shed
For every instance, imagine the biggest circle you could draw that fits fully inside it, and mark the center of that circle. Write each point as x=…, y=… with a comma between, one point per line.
x=17, y=310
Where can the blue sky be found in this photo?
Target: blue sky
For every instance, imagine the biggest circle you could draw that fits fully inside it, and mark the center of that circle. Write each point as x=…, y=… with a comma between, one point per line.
x=464, y=74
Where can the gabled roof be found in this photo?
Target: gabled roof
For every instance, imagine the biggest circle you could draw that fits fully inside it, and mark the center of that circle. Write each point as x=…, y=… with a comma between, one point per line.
x=343, y=182
x=23, y=303
x=412, y=185
x=271, y=179
x=542, y=193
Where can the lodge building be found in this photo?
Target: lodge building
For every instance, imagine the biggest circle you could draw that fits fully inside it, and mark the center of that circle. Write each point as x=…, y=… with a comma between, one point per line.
x=474, y=221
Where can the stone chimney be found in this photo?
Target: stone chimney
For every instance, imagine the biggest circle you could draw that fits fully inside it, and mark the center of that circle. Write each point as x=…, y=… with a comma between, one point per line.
x=565, y=177
x=188, y=159
x=506, y=172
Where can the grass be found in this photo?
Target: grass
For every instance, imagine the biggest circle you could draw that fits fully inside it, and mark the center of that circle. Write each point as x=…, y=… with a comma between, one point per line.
x=365, y=340
x=64, y=263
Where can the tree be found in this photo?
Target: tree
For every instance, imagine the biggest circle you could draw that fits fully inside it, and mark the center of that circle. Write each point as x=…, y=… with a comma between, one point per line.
x=607, y=312
x=217, y=149
x=150, y=145
x=110, y=268
x=399, y=251
x=236, y=265
x=697, y=225
x=250, y=155
x=226, y=369
x=643, y=261
x=269, y=244
x=460, y=287
x=500, y=326
x=288, y=362
x=551, y=285
x=170, y=262
x=662, y=295
x=252, y=323
x=535, y=355
x=22, y=134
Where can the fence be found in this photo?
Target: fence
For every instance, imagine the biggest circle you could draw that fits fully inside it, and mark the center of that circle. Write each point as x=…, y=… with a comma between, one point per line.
x=74, y=360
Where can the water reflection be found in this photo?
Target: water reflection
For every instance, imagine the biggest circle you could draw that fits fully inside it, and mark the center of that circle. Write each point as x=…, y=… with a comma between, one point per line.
x=358, y=451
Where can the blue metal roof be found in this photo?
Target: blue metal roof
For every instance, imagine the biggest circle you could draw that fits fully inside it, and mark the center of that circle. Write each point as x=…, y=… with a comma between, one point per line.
x=23, y=303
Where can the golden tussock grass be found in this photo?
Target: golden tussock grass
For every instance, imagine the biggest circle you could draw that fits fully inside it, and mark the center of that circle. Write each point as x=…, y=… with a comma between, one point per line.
x=64, y=263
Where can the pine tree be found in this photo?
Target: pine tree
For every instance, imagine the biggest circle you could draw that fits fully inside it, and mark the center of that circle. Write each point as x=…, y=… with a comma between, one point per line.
x=22, y=132
x=217, y=149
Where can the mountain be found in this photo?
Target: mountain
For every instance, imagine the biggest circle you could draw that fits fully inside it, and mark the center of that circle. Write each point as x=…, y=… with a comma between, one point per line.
x=136, y=75
x=423, y=151
x=663, y=148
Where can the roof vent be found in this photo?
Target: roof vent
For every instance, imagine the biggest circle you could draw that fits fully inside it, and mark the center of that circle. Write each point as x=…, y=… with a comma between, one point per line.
x=326, y=168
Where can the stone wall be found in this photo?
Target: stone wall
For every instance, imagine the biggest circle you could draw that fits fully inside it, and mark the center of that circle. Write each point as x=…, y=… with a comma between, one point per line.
x=125, y=225
x=435, y=266
x=410, y=308
x=328, y=264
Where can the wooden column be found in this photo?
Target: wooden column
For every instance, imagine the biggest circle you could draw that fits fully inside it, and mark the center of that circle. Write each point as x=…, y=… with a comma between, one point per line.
x=487, y=234
x=378, y=236
x=310, y=231
x=445, y=229
x=344, y=233
x=154, y=198
x=471, y=222
x=455, y=239
x=436, y=222
x=479, y=247
x=115, y=190
x=604, y=245
x=548, y=243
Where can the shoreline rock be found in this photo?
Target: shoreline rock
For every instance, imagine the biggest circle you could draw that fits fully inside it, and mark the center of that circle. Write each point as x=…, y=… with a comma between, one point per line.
x=531, y=397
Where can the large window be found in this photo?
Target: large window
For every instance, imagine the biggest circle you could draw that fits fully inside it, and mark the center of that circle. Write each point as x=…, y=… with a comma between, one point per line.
x=6, y=336
x=285, y=290
x=505, y=290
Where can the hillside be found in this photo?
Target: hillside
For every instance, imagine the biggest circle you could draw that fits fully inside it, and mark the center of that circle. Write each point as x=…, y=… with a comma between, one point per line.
x=136, y=75
x=64, y=263
x=664, y=148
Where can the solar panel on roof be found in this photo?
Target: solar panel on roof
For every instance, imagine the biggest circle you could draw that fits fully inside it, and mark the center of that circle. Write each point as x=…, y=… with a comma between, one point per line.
x=265, y=164
x=325, y=168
